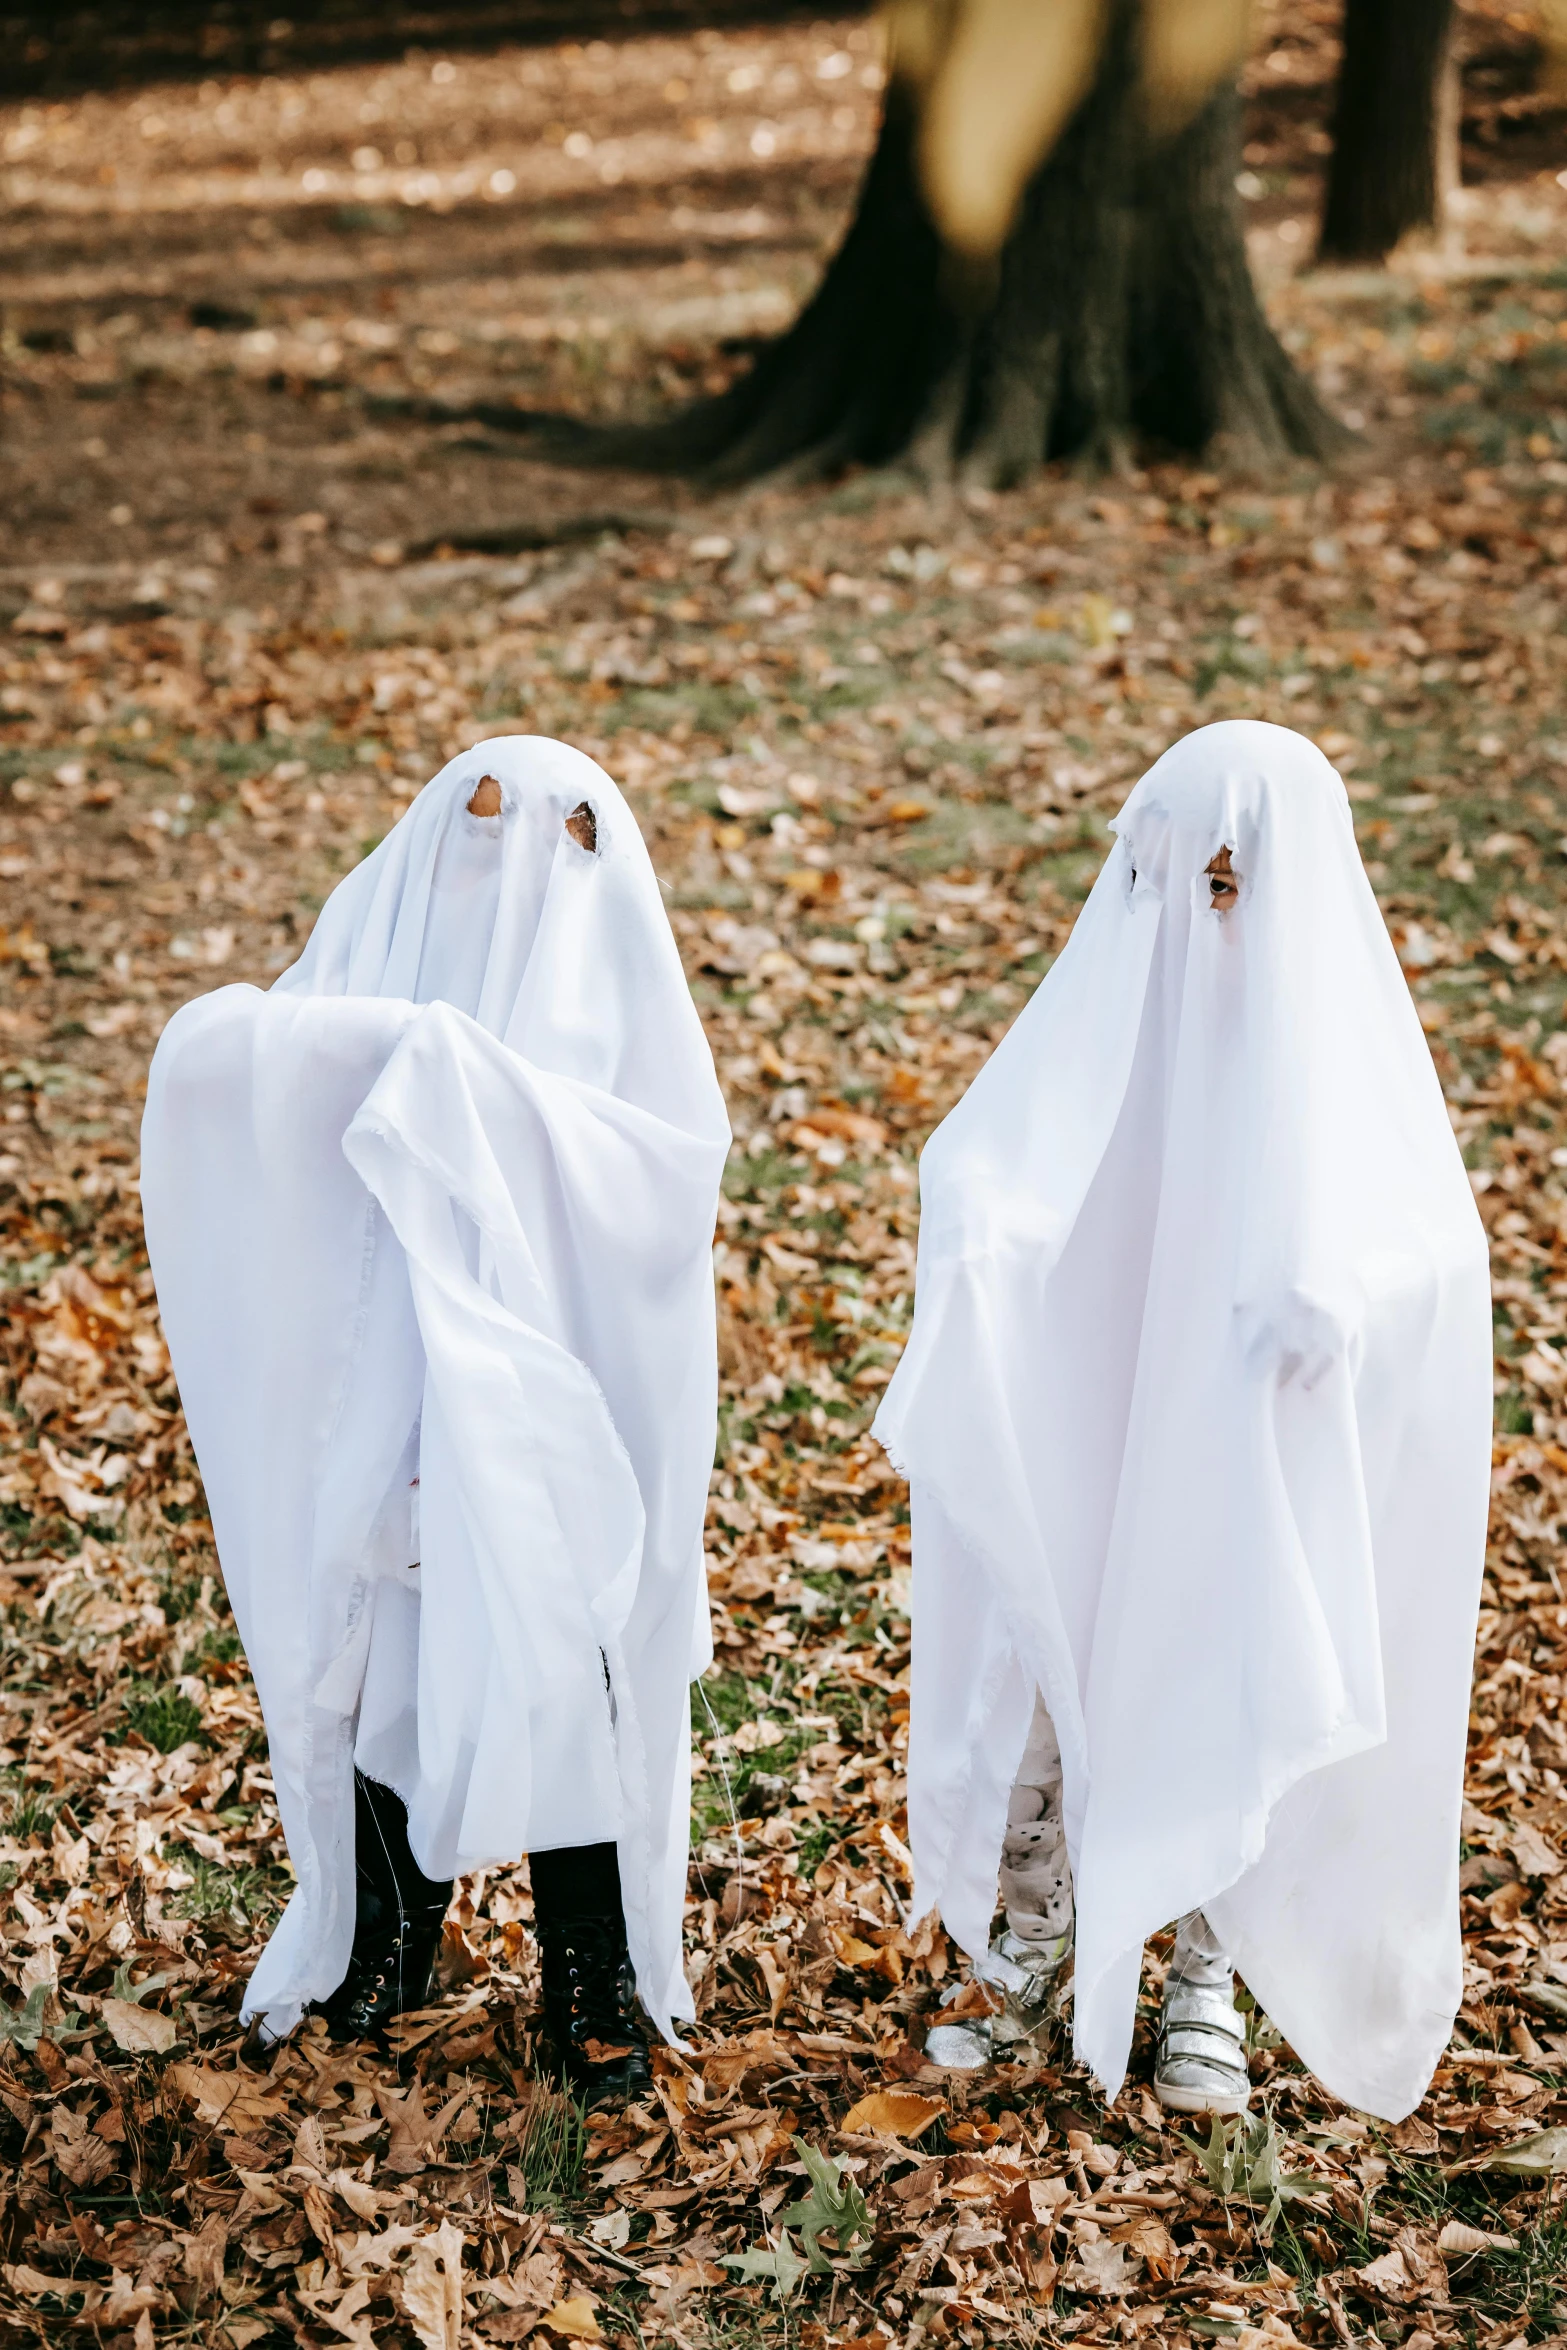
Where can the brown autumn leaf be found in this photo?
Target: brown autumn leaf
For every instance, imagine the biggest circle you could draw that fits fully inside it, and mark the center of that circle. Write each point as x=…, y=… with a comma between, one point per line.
x=35, y=2284
x=1533, y=1853
x=137, y=2031
x=1032, y=2202
x=318, y=2215
x=125, y=2301
x=234, y=2099
x=574, y=2320
x=855, y=1952
x=367, y=2255
x=1388, y=2276
x=1146, y=2235
x=1099, y=2266
x=363, y=2200
x=346, y=2311
x=893, y=2113
x=1459, y=2241
x=416, y=2135
x=535, y=2283
x=79, y=2154
x=204, y=2255
x=430, y=2289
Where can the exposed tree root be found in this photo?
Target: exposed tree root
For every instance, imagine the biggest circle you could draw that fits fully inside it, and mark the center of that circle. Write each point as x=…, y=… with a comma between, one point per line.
x=1122, y=310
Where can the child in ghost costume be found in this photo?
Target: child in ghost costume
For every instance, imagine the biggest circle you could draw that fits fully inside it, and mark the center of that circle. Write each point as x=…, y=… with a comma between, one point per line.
x=431, y=1224
x=1196, y=1417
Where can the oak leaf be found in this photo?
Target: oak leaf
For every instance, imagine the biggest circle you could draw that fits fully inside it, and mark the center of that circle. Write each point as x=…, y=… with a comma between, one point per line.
x=431, y=2289
x=236, y=2099
x=416, y=2135
x=1101, y=2267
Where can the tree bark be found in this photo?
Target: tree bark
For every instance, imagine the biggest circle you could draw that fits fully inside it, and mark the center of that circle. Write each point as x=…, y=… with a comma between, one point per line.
x=1395, y=127
x=1121, y=310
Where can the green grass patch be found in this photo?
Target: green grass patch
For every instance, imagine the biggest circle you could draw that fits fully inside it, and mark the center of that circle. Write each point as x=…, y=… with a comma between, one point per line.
x=551, y=2151
x=819, y=1840
x=251, y=1895
x=746, y=1178
x=28, y=1813
x=164, y=1716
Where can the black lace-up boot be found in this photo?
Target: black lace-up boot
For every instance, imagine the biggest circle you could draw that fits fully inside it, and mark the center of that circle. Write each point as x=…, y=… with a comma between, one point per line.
x=398, y=1916
x=590, y=2001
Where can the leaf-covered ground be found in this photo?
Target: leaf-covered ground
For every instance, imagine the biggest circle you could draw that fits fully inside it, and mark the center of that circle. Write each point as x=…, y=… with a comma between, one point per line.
x=258, y=586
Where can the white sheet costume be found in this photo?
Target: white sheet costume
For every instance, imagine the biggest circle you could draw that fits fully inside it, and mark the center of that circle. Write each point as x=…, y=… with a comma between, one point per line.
x=1196, y=1414
x=439, y=1206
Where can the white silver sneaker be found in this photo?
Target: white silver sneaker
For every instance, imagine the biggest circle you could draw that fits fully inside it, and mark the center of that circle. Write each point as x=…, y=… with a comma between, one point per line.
x=1201, y=2062
x=1036, y=1891
x=966, y=2046
x=1022, y=1982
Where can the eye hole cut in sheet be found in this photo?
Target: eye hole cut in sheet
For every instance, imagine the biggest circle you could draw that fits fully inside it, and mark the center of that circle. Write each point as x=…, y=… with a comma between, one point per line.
x=1223, y=881
x=582, y=823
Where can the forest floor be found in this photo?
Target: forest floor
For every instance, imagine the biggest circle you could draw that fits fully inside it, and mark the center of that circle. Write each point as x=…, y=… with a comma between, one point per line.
x=260, y=578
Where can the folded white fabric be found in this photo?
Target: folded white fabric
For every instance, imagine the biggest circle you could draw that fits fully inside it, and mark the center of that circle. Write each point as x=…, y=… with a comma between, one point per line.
x=439, y=1206
x=1196, y=1413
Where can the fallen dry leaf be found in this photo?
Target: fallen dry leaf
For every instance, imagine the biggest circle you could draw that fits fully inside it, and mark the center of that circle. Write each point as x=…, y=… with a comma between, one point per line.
x=204, y=2256
x=535, y=2283
x=893, y=2113
x=1100, y=2267
x=574, y=2320
x=138, y=2031
x=345, y=2311
x=1387, y=2275
x=235, y=2098
x=1534, y=1855
x=363, y=2200
x=416, y=2135
x=1460, y=2241
x=79, y=2153
x=1536, y=2157
x=366, y=2255
x=35, y=2284
x=431, y=2289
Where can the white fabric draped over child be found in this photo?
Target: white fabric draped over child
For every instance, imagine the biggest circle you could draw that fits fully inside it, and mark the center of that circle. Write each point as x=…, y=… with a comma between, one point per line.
x=1196, y=1414
x=439, y=1207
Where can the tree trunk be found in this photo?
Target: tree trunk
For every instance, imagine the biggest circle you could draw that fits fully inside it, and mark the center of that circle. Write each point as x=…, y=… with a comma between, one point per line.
x=1121, y=310
x=1395, y=127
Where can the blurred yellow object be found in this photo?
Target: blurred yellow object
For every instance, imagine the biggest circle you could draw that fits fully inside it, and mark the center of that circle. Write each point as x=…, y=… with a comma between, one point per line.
x=1189, y=47
x=1553, y=39
x=997, y=81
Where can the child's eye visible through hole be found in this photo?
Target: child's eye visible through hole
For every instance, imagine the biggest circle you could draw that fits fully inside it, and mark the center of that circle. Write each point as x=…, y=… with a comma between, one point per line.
x=1223, y=881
